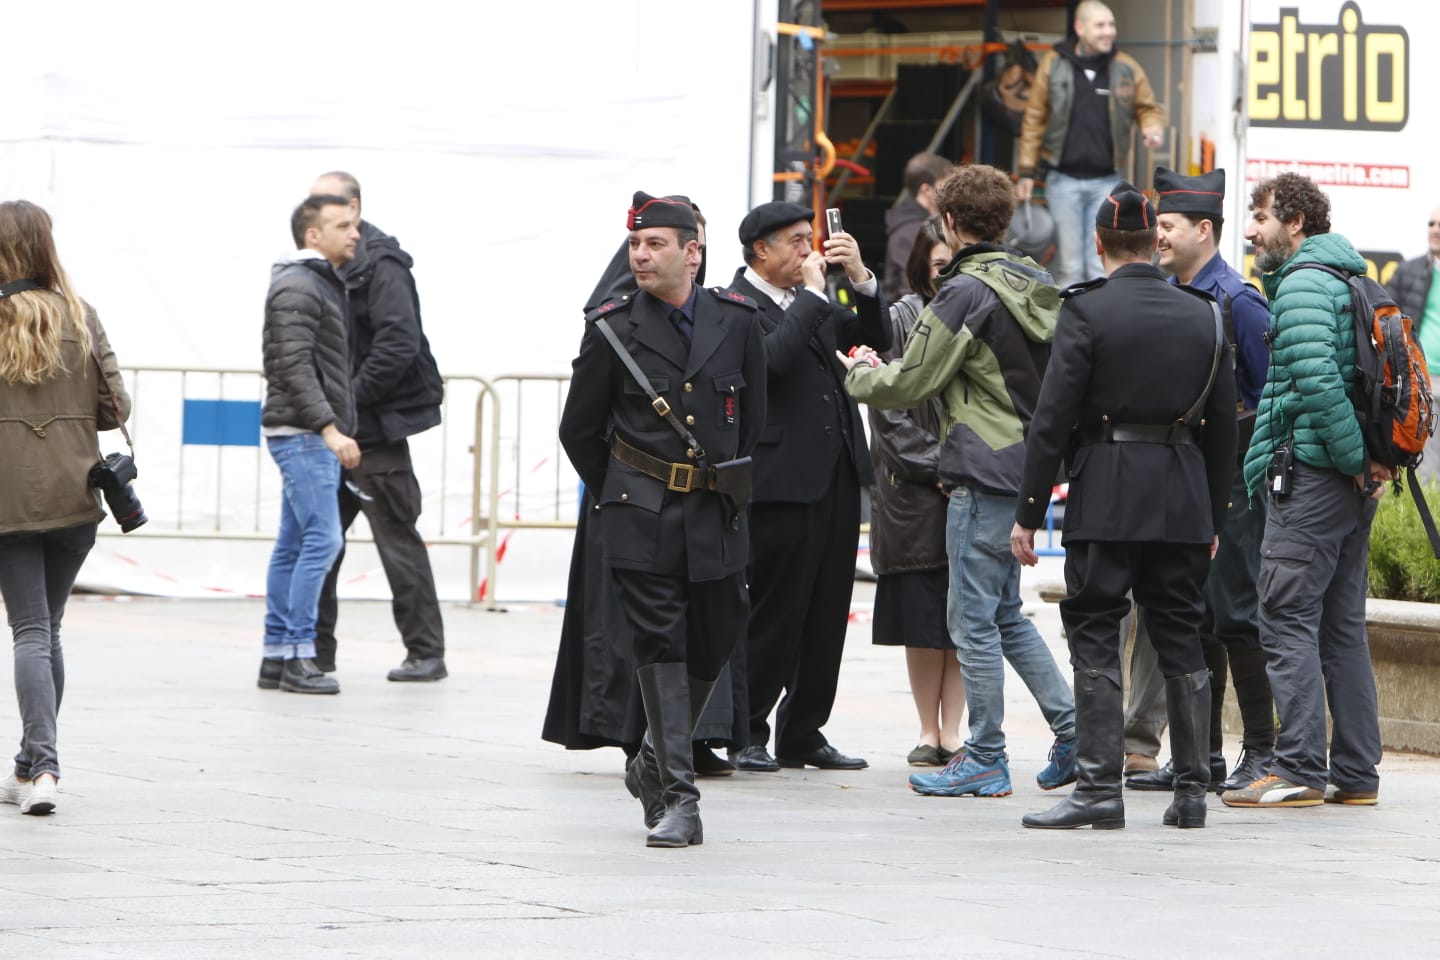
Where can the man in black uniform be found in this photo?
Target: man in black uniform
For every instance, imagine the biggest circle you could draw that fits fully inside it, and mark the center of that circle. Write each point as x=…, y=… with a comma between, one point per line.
x=809, y=467
x=675, y=544
x=1140, y=398
x=398, y=392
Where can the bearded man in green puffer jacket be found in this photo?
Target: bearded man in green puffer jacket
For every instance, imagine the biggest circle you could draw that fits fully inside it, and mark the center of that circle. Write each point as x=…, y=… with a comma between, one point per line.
x=1315, y=554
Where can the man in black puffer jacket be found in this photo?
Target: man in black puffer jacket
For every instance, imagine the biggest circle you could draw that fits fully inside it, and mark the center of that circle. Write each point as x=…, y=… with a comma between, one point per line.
x=398, y=391
x=307, y=421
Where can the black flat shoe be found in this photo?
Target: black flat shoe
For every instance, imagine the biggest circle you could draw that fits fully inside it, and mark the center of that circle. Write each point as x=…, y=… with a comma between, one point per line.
x=270, y=674
x=302, y=676
x=420, y=671
x=707, y=764
x=754, y=760
x=826, y=758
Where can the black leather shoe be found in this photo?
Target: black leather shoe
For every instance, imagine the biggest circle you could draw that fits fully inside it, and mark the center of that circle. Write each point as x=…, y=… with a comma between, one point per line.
x=1254, y=764
x=420, y=671
x=1157, y=780
x=270, y=676
x=302, y=676
x=707, y=764
x=826, y=758
x=754, y=760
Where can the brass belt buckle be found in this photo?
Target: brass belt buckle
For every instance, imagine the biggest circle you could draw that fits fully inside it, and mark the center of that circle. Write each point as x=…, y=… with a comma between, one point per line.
x=681, y=469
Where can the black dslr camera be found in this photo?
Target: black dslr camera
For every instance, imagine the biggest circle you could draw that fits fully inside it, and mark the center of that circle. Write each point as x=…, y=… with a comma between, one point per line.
x=112, y=476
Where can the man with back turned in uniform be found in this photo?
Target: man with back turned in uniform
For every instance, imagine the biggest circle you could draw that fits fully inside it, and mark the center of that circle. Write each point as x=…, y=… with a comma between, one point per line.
x=1139, y=397
x=810, y=464
x=672, y=513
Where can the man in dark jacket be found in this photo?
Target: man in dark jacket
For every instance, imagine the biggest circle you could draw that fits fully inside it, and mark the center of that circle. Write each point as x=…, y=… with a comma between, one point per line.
x=307, y=421
x=1414, y=289
x=810, y=464
x=902, y=221
x=1140, y=399
x=398, y=391
x=676, y=535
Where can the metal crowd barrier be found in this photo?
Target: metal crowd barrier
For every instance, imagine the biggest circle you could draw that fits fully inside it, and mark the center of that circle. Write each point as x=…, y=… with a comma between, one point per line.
x=220, y=491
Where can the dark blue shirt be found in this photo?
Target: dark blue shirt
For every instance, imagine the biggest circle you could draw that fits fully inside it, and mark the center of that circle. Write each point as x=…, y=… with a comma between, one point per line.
x=1250, y=315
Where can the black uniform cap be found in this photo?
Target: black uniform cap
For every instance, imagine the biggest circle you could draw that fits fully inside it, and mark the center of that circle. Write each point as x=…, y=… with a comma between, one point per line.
x=1125, y=209
x=648, y=211
x=1202, y=196
x=769, y=217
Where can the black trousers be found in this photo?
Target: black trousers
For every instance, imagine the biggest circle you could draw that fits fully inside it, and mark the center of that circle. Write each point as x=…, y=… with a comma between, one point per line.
x=1167, y=580
x=674, y=620
x=802, y=572
x=390, y=499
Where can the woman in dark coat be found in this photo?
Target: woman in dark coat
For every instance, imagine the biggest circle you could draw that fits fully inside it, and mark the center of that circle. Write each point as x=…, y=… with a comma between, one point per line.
x=907, y=531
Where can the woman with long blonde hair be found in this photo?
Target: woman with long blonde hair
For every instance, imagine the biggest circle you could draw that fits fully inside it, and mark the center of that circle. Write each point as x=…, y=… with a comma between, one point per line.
x=53, y=358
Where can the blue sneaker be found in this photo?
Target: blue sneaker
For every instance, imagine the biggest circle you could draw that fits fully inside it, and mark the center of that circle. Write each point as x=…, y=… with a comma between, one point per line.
x=963, y=776
x=1061, y=768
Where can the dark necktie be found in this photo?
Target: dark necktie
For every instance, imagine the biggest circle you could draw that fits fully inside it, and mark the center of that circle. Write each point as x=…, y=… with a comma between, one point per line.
x=682, y=323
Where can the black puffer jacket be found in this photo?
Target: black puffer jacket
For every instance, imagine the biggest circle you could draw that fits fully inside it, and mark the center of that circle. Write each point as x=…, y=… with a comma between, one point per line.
x=397, y=385
x=307, y=360
x=1410, y=286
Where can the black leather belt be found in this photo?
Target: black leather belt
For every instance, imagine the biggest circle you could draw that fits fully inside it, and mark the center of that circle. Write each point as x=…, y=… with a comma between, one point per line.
x=1172, y=434
x=680, y=477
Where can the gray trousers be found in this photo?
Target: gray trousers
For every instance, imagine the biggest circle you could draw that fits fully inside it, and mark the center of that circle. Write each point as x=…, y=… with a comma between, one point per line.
x=1313, y=576
x=1145, y=716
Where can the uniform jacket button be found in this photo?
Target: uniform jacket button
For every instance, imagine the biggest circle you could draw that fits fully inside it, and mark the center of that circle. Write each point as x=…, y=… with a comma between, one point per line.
x=624, y=496
x=690, y=454
x=829, y=430
x=1029, y=499
x=688, y=387
x=690, y=420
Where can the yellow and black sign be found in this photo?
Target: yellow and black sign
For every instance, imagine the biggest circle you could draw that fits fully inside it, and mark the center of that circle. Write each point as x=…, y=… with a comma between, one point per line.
x=1347, y=74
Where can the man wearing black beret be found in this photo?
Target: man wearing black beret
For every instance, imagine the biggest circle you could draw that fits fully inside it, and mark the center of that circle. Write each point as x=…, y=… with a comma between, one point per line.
x=659, y=424
x=810, y=464
x=1139, y=398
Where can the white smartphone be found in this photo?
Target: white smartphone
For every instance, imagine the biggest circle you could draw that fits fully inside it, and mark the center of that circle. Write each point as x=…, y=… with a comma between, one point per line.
x=832, y=221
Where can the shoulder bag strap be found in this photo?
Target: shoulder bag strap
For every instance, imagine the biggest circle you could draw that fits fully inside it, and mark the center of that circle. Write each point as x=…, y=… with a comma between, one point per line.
x=1192, y=415
x=656, y=401
x=105, y=384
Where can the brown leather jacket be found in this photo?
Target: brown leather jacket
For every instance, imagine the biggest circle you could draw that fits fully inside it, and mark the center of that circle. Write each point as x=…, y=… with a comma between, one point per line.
x=1047, y=115
x=48, y=432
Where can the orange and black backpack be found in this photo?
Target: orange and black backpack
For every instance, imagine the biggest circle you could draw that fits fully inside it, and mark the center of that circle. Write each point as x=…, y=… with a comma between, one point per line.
x=1392, y=384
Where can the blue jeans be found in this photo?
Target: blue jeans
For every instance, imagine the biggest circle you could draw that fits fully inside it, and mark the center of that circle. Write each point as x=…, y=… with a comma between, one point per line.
x=37, y=571
x=1073, y=203
x=306, y=546
x=983, y=613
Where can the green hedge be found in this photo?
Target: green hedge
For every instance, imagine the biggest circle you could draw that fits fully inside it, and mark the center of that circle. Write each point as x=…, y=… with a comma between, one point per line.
x=1402, y=564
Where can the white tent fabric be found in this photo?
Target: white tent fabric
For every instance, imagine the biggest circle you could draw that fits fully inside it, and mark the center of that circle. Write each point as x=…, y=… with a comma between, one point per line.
x=499, y=142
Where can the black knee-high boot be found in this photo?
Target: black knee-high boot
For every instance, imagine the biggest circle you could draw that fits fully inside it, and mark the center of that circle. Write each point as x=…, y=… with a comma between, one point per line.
x=1257, y=716
x=1187, y=700
x=642, y=771
x=1218, y=663
x=1096, y=800
x=673, y=704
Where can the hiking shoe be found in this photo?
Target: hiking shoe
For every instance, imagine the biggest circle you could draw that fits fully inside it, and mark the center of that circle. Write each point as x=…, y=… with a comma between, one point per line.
x=1061, y=768
x=1273, y=791
x=964, y=776
x=1354, y=798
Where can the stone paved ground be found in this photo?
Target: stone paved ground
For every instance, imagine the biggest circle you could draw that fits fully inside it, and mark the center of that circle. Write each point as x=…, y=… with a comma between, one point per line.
x=201, y=817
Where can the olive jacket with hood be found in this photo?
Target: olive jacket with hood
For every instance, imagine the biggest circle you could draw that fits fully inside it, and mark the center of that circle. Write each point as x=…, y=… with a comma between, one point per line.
x=982, y=346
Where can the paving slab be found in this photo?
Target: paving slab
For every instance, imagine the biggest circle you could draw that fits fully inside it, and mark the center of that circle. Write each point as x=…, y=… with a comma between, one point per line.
x=202, y=817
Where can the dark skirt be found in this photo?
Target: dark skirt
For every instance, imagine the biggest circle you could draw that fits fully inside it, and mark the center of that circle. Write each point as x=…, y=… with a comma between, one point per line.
x=910, y=610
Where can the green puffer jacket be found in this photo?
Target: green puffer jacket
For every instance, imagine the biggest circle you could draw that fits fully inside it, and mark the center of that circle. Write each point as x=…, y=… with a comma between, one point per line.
x=981, y=346
x=1312, y=364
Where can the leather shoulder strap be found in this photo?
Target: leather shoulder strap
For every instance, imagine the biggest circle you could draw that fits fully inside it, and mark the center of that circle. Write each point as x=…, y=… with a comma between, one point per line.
x=656, y=401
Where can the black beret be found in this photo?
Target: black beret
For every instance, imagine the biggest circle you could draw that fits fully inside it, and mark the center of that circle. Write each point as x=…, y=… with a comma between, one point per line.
x=648, y=211
x=1202, y=196
x=769, y=217
x=1125, y=209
